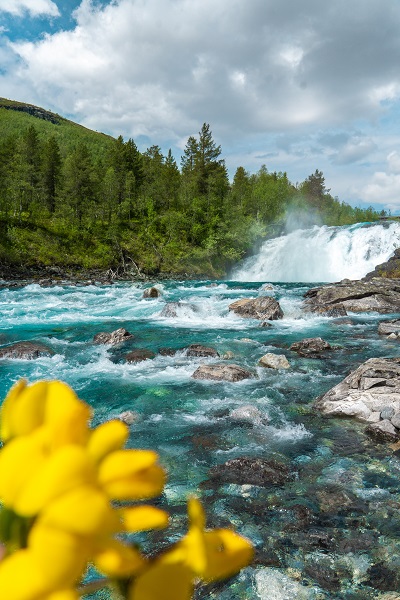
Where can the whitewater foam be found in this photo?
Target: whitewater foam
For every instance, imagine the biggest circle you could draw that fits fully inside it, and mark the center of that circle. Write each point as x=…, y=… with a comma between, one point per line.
x=322, y=254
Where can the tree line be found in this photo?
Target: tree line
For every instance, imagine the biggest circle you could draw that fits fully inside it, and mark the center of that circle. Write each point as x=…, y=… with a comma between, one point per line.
x=120, y=207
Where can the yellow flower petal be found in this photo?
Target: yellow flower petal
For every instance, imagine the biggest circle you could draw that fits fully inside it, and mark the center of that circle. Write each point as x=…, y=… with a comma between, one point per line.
x=64, y=470
x=23, y=409
x=144, y=484
x=63, y=595
x=20, y=578
x=115, y=559
x=82, y=511
x=20, y=460
x=131, y=475
x=143, y=518
x=66, y=415
x=106, y=438
x=227, y=553
x=163, y=582
x=59, y=554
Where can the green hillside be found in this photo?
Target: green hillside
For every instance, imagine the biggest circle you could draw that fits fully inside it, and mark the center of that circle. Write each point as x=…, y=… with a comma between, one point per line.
x=74, y=200
x=15, y=117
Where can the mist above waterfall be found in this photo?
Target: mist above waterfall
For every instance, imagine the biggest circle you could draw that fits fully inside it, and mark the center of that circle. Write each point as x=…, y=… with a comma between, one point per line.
x=322, y=254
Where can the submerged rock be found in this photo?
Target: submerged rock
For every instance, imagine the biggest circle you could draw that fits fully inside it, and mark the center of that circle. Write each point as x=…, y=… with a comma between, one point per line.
x=311, y=347
x=152, y=292
x=248, y=414
x=247, y=470
x=378, y=294
x=231, y=373
x=263, y=308
x=371, y=393
x=171, y=308
x=25, y=350
x=138, y=355
x=129, y=417
x=196, y=350
x=275, y=585
x=115, y=337
x=274, y=361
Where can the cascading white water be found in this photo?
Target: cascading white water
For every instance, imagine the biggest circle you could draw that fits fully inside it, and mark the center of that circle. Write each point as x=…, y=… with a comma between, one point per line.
x=322, y=254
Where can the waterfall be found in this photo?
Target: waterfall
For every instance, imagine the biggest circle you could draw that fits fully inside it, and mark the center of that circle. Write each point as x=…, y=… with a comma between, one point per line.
x=322, y=254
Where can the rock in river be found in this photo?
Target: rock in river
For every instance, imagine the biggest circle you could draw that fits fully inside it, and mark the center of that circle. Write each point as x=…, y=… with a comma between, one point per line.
x=221, y=373
x=263, y=308
x=196, y=350
x=389, y=327
x=26, y=350
x=113, y=338
x=311, y=347
x=251, y=471
x=139, y=354
x=151, y=292
x=378, y=294
x=371, y=393
x=274, y=361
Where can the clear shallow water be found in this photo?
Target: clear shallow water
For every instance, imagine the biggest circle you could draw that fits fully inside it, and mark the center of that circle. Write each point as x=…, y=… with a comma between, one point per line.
x=333, y=531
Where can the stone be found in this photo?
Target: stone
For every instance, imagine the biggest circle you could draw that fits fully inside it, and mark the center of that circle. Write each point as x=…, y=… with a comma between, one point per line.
x=383, y=431
x=311, y=347
x=389, y=327
x=272, y=584
x=274, y=361
x=129, y=417
x=378, y=294
x=171, y=309
x=263, y=308
x=25, y=350
x=115, y=337
x=338, y=310
x=247, y=470
x=247, y=414
x=219, y=372
x=228, y=355
x=151, y=292
x=370, y=393
x=196, y=350
x=139, y=355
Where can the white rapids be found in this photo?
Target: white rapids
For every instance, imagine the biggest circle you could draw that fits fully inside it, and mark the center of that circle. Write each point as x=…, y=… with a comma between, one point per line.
x=322, y=254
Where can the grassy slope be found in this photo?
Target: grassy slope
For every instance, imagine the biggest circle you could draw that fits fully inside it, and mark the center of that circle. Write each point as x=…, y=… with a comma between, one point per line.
x=16, y=117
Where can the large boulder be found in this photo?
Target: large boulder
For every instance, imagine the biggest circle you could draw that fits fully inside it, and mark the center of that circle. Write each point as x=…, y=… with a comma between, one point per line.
x=274, y=361
x=198, y=350
x=389, y=269
x=311, y=347
x=378, y=295
x=231, y=373
x=263, y=308
x=115, y=337
x=371, y=393
x=247, y=470
x=25, y=350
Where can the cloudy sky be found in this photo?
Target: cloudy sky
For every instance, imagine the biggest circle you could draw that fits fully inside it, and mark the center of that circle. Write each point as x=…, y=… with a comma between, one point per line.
x=295, y=85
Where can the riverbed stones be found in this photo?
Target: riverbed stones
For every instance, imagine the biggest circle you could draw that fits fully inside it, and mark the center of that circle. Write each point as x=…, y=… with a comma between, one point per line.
x=25, y=350
x=378, y=294
x=390, y=328
x=115, y=337
x=151, y=292
x=198, y=350
x=138, y=355
x=232, y=373
x=311, y=347
x=263, y=308
x=171, y=309
x=246, y=470
x=369, y=393
x=274, y=361
x=248, y=414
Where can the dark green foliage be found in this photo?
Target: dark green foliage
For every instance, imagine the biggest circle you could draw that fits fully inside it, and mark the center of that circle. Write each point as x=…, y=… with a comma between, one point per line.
x=78, y=199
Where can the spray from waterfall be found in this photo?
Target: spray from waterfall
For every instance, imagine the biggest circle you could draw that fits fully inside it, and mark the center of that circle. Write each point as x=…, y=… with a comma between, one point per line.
x=322, y=254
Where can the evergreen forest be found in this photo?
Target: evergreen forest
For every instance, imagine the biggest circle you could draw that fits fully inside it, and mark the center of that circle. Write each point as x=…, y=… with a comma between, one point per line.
x=79, y=200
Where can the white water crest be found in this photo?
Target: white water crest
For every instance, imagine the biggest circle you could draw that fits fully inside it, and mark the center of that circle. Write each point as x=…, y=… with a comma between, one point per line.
x=322, y=254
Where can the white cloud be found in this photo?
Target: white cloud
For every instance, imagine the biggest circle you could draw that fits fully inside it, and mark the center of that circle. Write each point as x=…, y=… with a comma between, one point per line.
x=34, y=7
x=384, y=186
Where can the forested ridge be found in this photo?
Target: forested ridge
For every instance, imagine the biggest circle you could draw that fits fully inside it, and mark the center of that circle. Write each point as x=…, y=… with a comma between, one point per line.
x=78, y=200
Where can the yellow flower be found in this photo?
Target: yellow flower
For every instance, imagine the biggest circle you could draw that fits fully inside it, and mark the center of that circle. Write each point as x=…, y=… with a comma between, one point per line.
x=50, y=404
